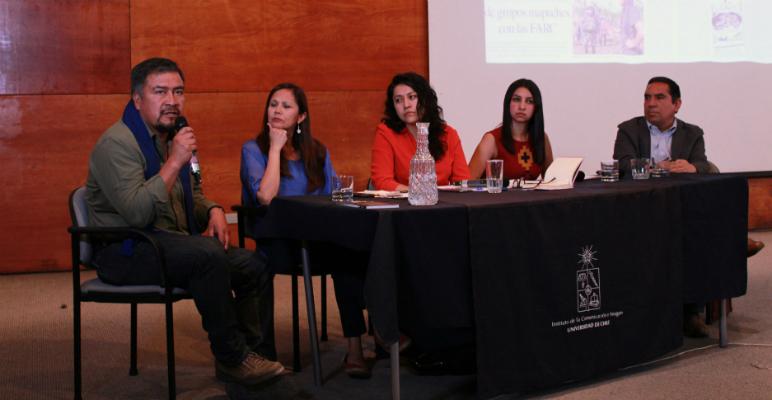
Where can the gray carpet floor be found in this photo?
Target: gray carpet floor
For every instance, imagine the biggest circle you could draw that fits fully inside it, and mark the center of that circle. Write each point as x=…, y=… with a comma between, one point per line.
x=36, y=353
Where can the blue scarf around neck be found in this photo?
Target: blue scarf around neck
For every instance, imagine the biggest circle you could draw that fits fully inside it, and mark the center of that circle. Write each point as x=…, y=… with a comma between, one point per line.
x=133, y=120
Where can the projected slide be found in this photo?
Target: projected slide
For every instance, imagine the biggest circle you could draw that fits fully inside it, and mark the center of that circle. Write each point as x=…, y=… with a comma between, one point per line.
x=627, y=31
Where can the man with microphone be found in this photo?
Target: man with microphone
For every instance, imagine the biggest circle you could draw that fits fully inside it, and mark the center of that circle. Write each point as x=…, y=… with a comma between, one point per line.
x=140, y=176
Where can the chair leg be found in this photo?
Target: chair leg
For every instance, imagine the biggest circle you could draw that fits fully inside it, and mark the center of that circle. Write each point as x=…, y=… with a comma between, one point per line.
x=295, y=326
x=76, y=348
x=76, y=361
x=323, y=277
x=310, y=308
x=723, y=341
x=394, y=359
x=170, y=349
x=133, y=342
x=708, y=313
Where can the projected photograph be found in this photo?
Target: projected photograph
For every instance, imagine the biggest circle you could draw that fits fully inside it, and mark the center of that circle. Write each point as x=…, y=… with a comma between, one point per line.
x=727, y=23
x=608, y=27
x=627, y=31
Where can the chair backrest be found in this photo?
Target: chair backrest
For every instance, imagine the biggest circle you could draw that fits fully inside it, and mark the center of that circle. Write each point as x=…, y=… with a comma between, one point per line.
x=250, y=222
x=79, y=216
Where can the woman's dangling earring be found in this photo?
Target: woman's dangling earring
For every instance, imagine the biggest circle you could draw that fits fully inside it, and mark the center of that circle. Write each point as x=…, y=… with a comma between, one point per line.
x=298, y=131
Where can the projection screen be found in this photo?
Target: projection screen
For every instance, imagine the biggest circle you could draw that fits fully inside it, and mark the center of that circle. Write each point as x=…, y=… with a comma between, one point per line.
x=592, y=59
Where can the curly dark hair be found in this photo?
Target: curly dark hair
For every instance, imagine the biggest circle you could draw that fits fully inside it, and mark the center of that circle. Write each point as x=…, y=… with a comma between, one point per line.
x=535, y=124
x=428, y=110
x=312, y=151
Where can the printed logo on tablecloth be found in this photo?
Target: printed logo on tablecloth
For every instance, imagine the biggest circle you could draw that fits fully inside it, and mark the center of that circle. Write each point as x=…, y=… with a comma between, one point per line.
x=588, y=303
x=587, y=281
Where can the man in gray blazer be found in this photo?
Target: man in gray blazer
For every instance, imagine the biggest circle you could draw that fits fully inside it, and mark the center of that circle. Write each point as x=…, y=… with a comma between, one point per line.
x=673, y=144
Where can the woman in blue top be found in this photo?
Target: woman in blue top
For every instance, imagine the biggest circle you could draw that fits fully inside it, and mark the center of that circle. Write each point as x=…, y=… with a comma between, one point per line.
x=285, y=160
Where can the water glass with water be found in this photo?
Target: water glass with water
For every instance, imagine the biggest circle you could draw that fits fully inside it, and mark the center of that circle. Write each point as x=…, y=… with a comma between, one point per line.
x=640, y=168
x=658, y=172
x=342, y=188
x=494, y=170
x=609, y=171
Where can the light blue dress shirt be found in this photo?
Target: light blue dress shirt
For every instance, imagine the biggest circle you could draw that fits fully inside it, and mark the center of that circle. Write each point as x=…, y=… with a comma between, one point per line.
x=661, y=141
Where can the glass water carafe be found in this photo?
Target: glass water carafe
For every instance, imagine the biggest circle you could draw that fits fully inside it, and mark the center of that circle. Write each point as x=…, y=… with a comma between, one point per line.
x=422, y=189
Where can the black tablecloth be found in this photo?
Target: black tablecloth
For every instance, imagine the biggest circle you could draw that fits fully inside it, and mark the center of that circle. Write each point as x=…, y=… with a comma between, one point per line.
x=715, y=220
x=557, y=285
x=575, y=287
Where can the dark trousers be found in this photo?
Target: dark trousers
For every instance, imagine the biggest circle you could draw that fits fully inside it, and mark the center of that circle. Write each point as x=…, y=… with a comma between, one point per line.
x=692, y=309
x=347, y=267
x=229, y=287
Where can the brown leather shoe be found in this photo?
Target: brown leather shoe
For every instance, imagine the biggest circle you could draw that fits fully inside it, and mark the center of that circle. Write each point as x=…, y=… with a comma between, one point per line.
x=253, y=370
x=356, y=370
x=694, y=327
x=754, y=246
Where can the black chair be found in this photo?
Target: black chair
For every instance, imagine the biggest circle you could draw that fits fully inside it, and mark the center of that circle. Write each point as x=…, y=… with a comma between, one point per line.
x=95, y=290
x=245, y=216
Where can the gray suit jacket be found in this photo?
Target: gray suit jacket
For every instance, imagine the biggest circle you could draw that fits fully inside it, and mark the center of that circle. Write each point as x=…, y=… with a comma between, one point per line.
x=634, y=141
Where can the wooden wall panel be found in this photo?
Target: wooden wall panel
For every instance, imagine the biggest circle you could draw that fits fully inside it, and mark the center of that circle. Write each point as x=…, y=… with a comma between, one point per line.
x=760, y=203
x=78, y=46
x=329, y=45
x=44, y=150
x=222, y=122
x=346, y=122
x=233, y=51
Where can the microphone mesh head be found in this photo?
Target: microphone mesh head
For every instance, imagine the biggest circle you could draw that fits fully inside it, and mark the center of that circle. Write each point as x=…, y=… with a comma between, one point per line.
x=180, y=123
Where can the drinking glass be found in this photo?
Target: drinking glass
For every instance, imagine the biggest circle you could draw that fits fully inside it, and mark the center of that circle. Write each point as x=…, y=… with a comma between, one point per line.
x=609, y=171
x=640, y=168
x=342, y=188
x=494, y=170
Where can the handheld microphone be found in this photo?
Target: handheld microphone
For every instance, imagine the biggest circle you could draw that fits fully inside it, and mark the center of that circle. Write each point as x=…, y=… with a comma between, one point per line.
x=195, y=168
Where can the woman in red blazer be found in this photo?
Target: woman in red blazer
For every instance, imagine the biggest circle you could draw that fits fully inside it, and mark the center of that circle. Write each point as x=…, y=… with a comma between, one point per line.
x=410, y=99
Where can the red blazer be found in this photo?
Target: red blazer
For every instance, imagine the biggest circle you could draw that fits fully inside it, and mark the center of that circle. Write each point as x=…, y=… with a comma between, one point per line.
x=392, y=153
